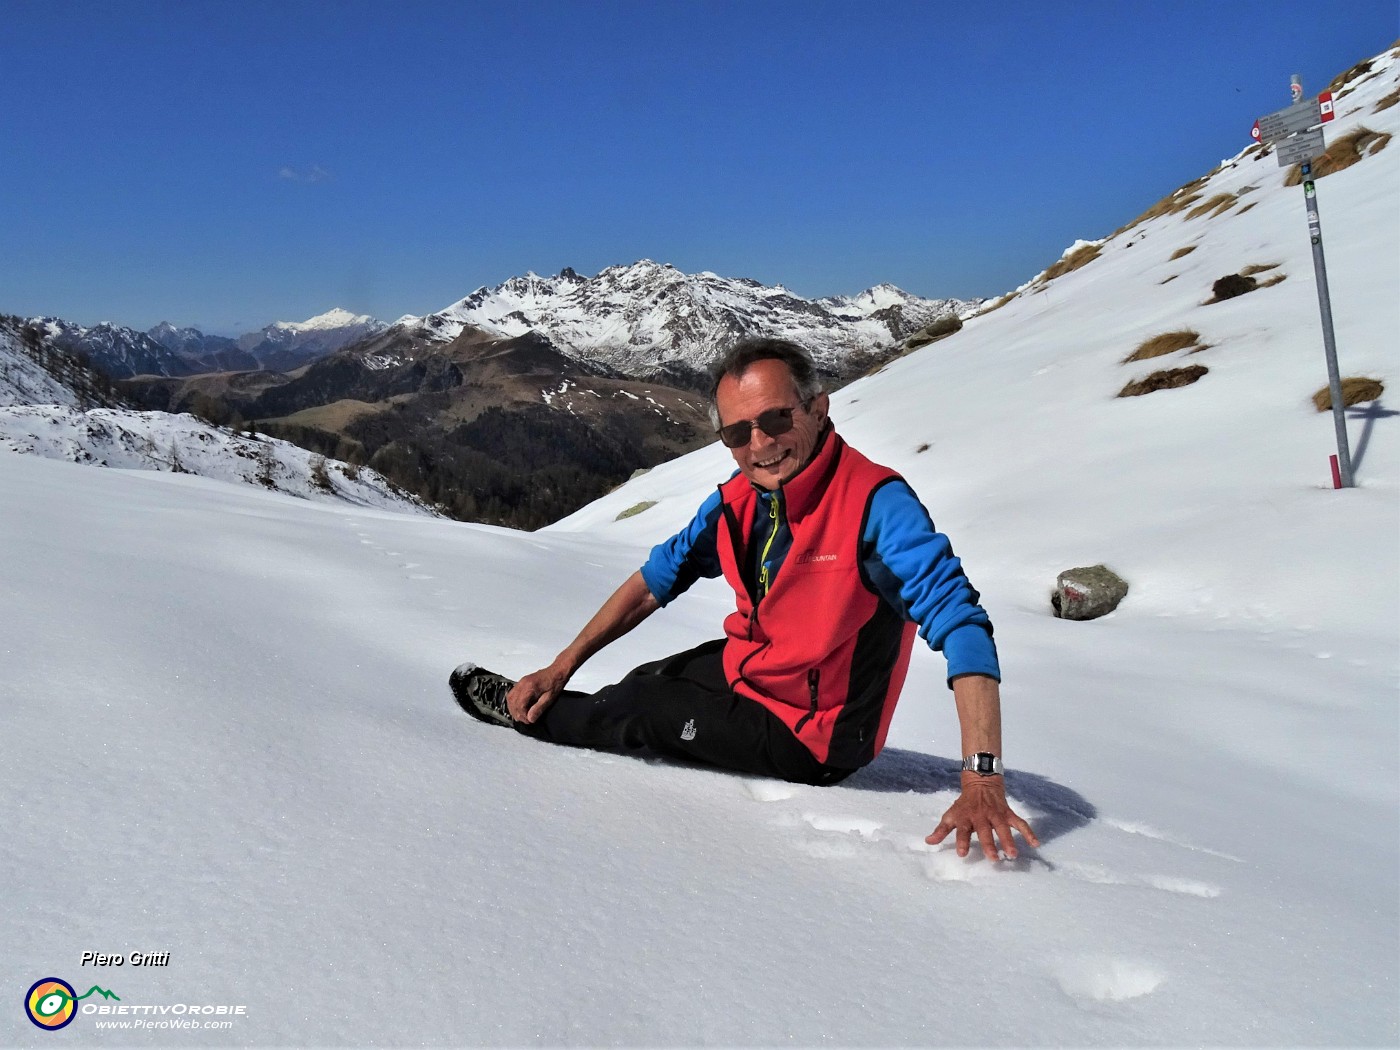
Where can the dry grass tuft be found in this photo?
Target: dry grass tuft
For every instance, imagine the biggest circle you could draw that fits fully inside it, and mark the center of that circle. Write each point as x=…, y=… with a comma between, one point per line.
x=1277, y=278
x=1231, y=286
x=1168, y=280
x=635, y=509
x=1166, y=343
x=1176, y=201
x=1246, y=207
x=1350, y=149
x=1341, y=80
x=1071, y=262
x=1215, y=206
x=1355, y=390
x=1388, y=101
x=1253, y=268
x=998, y=304
x=1166, y=379
x=1182, y=252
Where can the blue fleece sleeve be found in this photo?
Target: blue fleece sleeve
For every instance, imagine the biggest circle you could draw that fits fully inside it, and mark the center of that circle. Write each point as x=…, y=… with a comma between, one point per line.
x=912, y=566
x=688, y=555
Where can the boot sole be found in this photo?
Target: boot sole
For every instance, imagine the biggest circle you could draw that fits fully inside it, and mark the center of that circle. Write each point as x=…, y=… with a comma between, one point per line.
x=458, y=683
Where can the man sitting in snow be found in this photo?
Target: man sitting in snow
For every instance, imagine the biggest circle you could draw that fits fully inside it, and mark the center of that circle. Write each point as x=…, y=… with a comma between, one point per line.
x=833, y=561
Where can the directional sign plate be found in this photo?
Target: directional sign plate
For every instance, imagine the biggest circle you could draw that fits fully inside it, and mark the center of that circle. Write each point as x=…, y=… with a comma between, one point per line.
x=1285, y=122
x=1301, y=147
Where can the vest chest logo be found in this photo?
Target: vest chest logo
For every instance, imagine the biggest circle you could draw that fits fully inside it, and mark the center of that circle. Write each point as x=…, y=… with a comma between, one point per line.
x=811, y=558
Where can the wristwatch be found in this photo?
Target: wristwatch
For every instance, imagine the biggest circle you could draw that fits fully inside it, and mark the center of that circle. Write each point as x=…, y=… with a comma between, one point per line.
x=984, y=764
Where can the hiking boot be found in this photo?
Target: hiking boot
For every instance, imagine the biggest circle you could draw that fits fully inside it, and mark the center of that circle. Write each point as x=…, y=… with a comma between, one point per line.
x=482, y=694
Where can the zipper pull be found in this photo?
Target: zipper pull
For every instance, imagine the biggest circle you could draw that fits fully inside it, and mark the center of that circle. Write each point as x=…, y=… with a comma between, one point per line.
x=763, y=574
x=813, y=677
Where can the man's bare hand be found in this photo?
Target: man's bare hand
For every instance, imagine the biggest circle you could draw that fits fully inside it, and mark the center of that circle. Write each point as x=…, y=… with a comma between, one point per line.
x=982, y=810
x=533, y=694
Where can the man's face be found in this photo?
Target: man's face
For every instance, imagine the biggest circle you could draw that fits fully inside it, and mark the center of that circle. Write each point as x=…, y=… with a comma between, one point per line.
x=770, y=461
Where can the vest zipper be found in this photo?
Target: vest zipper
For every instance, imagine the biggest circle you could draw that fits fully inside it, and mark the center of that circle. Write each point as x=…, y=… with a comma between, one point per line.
x=763, y=575
x=814, y=676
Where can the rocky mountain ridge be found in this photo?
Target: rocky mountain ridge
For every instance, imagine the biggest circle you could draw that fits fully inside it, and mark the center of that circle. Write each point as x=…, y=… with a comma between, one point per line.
x=518, y=403
x=286, y=345
x=166, y=350
x=651, y=320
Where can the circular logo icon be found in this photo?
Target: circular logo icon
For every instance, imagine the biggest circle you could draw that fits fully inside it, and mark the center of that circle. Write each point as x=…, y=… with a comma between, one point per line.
x=51, y=1003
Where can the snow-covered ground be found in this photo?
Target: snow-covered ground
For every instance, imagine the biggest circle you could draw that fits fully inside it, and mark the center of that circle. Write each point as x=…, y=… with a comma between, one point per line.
x=22, y=381
x=225, y=731
x=180, y=443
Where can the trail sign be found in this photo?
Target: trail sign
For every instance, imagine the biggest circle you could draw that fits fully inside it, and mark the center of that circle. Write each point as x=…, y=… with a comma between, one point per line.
x=1285, y=122
x=1301, y=148
x=1297, y=133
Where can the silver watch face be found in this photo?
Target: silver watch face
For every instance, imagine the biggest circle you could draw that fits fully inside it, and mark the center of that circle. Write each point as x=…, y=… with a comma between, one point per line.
x=984, y=764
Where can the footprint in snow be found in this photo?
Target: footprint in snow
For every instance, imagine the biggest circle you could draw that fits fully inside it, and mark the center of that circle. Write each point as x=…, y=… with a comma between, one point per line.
x=769, y=790
x=866, y=829
x=1092, y=979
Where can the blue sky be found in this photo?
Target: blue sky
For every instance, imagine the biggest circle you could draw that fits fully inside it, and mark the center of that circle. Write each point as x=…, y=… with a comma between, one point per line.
x=226, y=164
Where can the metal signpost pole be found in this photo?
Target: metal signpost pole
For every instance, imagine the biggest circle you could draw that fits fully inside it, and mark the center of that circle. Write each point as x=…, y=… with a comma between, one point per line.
x=1329, y=341
x=1299, y=139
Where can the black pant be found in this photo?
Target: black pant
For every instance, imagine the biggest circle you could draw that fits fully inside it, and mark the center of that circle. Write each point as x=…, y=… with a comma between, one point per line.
x=682, y=707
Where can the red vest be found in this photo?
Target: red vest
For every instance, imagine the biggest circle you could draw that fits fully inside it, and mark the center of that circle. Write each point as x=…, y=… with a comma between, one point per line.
x=821, y=649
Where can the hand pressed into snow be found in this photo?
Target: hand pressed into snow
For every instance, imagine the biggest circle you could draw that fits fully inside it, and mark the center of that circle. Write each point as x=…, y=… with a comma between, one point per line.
x=982, y=809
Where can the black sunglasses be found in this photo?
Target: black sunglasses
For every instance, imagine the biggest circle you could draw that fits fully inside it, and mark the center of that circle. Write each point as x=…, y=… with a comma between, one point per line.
x=775, y=422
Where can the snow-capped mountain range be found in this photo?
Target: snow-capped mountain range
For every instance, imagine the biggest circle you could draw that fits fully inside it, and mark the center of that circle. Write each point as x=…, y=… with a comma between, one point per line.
x=649, y=316
x=166, y=350
x=645, y=319
x=118, y=351
x=285, y=345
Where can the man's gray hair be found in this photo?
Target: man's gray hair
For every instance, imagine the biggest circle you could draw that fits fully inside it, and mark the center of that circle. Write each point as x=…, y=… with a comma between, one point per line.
x=737, y=359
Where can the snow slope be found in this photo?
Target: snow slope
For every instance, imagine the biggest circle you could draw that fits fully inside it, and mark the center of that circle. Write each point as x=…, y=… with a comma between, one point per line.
x=22, y=381
x=225, y=731
x=180, y=443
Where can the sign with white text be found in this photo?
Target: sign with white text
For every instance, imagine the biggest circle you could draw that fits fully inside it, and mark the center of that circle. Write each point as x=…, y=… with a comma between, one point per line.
x=1300, y=117
x=1302, y=147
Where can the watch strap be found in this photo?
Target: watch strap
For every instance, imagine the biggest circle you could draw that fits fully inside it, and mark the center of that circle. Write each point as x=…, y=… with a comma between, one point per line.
x=983, y=763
